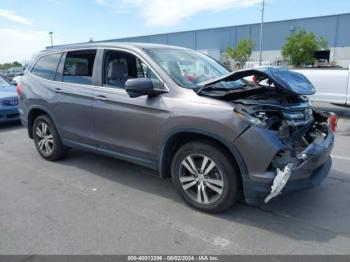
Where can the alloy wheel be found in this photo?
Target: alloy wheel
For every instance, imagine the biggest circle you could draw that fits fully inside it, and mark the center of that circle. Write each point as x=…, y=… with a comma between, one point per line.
x=201, y=179
x=44, y=139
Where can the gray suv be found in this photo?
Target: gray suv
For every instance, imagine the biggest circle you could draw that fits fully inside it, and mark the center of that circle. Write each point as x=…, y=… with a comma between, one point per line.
x=220, y=136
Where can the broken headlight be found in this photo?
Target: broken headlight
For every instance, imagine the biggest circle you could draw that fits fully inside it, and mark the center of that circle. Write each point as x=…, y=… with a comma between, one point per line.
x=268, y=119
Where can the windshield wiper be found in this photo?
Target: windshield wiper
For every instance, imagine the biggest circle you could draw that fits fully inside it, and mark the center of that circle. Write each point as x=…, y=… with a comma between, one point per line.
x=202, y=88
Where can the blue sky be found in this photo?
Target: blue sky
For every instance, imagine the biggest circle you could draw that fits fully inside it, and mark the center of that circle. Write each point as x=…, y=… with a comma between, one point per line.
x=24, y=25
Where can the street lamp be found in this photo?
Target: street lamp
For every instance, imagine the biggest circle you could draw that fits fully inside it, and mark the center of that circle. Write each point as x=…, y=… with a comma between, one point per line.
x=50, y=33
x=261, y=30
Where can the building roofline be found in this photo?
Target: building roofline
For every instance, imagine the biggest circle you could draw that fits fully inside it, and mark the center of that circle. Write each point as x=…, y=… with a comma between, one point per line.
x=227, y=27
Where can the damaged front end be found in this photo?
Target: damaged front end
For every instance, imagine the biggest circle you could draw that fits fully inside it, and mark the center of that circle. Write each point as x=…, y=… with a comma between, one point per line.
x=299, y=128
x=296, y=139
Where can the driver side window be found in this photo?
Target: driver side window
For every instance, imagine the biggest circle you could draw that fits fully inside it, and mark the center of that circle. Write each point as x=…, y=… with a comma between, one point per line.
x=120, y=66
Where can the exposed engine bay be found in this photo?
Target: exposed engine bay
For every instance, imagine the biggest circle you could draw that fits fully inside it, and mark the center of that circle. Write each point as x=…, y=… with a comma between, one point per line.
x=275, y=99
x=291, y=116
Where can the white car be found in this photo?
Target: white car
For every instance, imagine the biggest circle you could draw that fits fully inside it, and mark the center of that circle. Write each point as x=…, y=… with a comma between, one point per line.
x=332, y=85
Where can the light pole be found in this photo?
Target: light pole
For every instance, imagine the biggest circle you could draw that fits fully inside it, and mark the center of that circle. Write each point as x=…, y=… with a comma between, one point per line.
x=261, y=30
x=50, y=33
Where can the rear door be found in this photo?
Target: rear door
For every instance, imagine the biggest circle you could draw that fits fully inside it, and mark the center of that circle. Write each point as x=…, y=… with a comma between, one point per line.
x=72, y=102
x=127, y=127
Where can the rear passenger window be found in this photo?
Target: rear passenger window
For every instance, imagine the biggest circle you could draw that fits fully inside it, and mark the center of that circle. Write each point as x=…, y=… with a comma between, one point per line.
x=78, y=67
x=46, y=66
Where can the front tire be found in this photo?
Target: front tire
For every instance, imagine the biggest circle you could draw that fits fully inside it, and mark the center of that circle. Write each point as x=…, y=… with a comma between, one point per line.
x=205, y=176
x=46, y=139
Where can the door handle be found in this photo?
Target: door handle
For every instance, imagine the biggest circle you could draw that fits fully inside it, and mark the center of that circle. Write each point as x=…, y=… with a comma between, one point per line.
x=101, y=98
x=57, y=89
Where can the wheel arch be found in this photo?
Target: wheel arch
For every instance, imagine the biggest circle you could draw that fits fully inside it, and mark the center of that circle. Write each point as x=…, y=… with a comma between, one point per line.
x=179, y=137
x=33, y=113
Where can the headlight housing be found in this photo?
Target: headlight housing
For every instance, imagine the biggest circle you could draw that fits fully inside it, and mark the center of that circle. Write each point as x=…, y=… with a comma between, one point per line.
x=257, y=121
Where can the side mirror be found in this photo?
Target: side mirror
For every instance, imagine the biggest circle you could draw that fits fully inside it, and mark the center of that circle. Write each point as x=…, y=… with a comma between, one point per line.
x=136, y=87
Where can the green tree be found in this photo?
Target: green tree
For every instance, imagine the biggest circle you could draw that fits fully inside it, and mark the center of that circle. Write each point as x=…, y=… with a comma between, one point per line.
x=16, y=64
x=242, y=52
x=9, y=65
x=301, y=46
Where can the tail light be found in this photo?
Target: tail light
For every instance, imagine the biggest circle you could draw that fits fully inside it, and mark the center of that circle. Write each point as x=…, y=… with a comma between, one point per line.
x=333, y=121
x=255, y=80
x=19, y=88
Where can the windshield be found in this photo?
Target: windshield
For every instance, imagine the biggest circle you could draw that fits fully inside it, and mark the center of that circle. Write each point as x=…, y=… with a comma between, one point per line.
x=187, y=68
x=3, y=83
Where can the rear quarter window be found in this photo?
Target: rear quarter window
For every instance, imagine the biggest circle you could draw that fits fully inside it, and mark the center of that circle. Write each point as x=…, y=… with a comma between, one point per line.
x=46, y=66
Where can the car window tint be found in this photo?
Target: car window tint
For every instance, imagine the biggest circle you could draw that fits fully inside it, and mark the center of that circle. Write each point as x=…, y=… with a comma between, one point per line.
x=46, y=66
x=78, y=67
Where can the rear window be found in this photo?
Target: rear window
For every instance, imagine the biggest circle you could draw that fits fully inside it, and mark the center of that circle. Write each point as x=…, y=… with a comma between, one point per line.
x=78, y=67
x=46, y=66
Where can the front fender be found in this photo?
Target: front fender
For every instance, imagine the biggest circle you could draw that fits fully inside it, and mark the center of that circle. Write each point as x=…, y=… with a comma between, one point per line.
x=221, y=140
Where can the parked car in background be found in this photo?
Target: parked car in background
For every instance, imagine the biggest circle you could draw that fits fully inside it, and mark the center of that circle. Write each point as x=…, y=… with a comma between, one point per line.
x=13, y=72
x=332, y=85
x=8, y=102
x=175, y=110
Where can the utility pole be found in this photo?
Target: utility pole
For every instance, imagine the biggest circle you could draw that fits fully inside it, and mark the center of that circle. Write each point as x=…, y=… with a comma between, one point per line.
x=50, y=33
x=261, y=30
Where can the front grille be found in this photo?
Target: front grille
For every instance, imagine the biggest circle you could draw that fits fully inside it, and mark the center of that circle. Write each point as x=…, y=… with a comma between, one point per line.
x=9, y=102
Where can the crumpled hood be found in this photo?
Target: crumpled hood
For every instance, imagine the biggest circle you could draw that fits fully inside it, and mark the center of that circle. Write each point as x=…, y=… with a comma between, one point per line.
x=7, y=91
x=282, y=78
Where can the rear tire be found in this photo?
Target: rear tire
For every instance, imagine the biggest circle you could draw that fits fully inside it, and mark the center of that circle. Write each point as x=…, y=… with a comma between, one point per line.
x=47, y=140
x=205, y=176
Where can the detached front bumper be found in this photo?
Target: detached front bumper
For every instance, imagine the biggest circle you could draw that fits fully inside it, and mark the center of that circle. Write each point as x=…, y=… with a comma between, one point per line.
x=258, y=154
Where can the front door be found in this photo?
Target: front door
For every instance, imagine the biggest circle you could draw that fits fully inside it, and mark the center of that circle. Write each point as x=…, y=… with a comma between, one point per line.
x=127, y=127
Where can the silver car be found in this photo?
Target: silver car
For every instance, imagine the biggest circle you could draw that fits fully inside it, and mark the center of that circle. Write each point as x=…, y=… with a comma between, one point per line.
x=220, y=136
